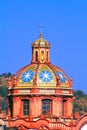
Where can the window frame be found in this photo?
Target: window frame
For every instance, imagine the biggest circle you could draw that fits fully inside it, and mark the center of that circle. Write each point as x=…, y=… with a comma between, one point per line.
x=36, y=56
x=47, y=106
x=26, y=107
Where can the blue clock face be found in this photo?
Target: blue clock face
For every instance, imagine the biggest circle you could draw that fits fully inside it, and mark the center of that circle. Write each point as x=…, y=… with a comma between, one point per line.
x=27, y=76
x=45, y=76
x=62, y=77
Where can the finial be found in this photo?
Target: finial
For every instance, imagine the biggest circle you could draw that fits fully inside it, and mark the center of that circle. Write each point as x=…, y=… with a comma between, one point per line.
x=70, y=81
x=41, y=27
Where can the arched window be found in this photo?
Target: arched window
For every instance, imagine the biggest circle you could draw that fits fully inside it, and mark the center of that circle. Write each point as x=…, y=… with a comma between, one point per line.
x=47, y=56
x=26, y=107
x=36, y=55
x=46, y=106
x=64, y=107
x=42, y=55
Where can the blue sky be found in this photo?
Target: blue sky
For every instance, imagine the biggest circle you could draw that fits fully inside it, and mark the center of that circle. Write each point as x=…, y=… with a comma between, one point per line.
x=64, y=26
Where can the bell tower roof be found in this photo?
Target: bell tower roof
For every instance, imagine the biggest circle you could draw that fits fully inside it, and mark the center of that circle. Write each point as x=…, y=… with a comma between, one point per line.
x=41, y=42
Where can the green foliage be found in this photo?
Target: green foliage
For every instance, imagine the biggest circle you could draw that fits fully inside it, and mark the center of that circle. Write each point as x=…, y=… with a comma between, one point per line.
x=3, y=91
x=80, y=102
x=6, y=75
x=3, y=98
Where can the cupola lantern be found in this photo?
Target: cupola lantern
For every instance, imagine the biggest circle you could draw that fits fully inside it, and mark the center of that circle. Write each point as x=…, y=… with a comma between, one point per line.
x=41, y=51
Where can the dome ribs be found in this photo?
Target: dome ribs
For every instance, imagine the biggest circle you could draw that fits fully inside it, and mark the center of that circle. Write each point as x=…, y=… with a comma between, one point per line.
x=57, y=77
x=35, y=77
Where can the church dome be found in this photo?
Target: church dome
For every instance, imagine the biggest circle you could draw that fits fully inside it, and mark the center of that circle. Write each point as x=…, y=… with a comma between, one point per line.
x=42, y=76
x=41, y=73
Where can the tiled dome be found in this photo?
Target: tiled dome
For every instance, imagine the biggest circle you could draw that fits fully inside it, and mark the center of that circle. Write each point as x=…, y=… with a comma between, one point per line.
x=42, y=76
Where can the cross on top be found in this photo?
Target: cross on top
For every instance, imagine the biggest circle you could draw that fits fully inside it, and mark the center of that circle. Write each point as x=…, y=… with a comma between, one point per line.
x=41, y=27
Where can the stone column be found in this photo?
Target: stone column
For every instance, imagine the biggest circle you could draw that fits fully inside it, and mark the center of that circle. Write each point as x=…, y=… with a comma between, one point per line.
x=57, y=106
x=16, y=106
x=35, y=105
x=68, y=107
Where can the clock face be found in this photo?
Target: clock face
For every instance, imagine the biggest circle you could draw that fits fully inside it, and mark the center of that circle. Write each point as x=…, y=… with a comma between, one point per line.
x=45, y=76
x=61, y=76
x=27, y=76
